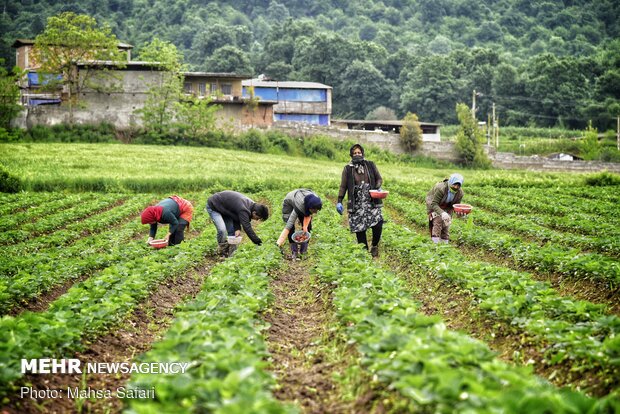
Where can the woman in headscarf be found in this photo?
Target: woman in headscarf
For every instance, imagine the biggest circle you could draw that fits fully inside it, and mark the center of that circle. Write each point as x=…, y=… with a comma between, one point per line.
x=439, y=205
x=358, y=178
x=175, y=211
x=298, y=205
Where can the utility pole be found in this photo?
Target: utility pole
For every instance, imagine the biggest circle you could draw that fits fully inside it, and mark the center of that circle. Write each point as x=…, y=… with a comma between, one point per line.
x=489, y=129
x=473, y=104
x=495, y=135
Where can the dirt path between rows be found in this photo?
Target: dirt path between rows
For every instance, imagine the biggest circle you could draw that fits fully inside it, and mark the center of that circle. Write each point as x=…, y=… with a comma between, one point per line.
x=457, y=308
x=133, y=337
x=300, y=327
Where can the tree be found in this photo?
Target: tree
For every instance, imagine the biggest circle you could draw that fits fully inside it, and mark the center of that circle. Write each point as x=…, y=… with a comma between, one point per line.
x=590, y=147
x=71, y=40
x=229, y=59
x=469, y=140
x=196, y=116
x=411, y=133
x=382, y=113
x=363, y=88
x=163, y=95
x=9, y=95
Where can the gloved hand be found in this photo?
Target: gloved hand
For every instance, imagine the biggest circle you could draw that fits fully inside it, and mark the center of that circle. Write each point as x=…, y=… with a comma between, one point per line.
x=447, y=220
x=282, y=237
x=339, y=208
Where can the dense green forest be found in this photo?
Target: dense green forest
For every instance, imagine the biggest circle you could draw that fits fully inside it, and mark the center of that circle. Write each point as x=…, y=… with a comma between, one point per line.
x=542, y=63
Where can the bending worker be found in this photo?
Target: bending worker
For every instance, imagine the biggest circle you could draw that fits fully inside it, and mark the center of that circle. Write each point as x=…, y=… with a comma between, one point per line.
x=175, y=211
x=231, y=211
x=300, y=205
x=439, y=206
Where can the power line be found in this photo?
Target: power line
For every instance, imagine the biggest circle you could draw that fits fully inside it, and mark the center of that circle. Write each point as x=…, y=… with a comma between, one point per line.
x=542, y=116
x=531, y=99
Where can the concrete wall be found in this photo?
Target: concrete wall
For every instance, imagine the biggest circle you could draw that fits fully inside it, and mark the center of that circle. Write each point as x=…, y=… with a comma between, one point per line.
x=446, y=150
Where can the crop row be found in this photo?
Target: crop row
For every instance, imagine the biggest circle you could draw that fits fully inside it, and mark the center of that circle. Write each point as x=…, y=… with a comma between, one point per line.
x=12, y=220
x=92, y=306
x=438, y=370
x=73, y=232
x=29, y=276
x=220, y=333
x=552, y=201
x=539, y=212
x=606, y=246
x=16, y=202
x=60, y=219
x=549, y=258
x=581, y=332
x=593, y=225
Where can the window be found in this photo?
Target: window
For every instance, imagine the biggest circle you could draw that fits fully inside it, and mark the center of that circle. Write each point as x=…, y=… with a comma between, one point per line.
x=202, y=89
x=187, y=87
x=214, y=89
x=227, y=88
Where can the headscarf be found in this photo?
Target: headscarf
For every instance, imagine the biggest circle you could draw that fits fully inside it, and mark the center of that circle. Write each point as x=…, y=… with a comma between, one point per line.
x=312, y=201
x=455, y=179
x=359, y=166
x=151, y=214
x=356, y=146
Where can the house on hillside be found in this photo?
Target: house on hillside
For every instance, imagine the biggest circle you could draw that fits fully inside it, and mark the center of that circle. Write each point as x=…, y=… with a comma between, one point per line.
x=307, y=102
x=127, y=90
x=430, y=131
x=226, y=90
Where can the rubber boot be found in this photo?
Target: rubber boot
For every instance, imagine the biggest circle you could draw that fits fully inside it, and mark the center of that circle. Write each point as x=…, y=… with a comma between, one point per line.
x=444, y=241
x=294, y=251
x=435, y=239
x=374, y=251
x=222, y=249
x=303, y=248
x=232, y=248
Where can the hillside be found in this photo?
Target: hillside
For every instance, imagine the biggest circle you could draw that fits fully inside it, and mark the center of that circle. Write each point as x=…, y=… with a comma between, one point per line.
x=545, y=63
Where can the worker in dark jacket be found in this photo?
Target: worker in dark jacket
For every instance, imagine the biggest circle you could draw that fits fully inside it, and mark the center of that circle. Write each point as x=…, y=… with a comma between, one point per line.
x=175, y=211
x=439, y=206
x=298, y=205
x=358, y=178
x=232, y=211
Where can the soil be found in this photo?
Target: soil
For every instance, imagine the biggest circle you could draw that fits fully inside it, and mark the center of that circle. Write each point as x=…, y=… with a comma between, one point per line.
x=135, y=336
x=306, y=352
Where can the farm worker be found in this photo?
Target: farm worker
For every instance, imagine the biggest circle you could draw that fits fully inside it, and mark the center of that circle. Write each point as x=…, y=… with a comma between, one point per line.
x=300, y=205
x=439, y=205
x=358, y=178
x=231, y=211
x=175, y=211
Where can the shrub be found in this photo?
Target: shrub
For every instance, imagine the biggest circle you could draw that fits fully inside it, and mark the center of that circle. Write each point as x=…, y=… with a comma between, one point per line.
x=319, y=147
x=411, y=133
x=602, y=179
x=8, y=182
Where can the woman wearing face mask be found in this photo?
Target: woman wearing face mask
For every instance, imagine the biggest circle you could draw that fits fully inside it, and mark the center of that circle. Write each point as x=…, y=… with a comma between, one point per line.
x=358, y=178
x=439, y=205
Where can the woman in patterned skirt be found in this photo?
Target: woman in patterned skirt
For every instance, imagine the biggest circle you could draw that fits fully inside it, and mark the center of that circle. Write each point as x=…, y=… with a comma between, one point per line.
x=358, y=178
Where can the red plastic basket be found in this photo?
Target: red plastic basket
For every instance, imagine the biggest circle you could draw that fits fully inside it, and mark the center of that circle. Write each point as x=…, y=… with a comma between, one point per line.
x=462, y=208
x=158, y=244
x=378, y=194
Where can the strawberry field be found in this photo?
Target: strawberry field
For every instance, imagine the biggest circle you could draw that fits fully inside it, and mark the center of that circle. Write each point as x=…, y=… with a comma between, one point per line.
x=519, y=313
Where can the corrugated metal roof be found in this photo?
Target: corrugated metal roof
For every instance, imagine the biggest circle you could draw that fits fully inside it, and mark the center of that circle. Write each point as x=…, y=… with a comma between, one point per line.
x=30, y=42
x=284, y=84
x=377, y=122
x=216, y=75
